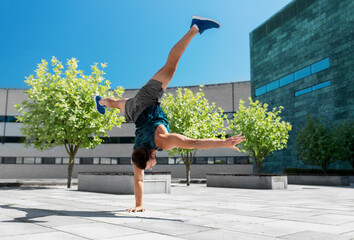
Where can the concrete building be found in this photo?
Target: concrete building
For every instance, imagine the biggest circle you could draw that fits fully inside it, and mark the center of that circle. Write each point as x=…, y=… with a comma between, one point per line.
x=302, y=59
x=16, y=161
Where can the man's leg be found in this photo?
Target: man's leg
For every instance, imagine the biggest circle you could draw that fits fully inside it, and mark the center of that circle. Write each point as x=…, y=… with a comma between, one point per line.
x=165, y=74
x=114, y=103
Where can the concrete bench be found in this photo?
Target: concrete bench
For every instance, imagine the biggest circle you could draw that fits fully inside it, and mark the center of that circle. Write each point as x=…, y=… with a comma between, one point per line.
x=123, y=182
x=250, y=181
x=320, y=180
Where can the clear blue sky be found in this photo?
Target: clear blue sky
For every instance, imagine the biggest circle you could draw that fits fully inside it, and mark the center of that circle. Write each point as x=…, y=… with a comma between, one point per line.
x=133, y=36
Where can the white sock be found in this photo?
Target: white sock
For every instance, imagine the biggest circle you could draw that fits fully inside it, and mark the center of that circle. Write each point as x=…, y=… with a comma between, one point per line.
x=196, y=26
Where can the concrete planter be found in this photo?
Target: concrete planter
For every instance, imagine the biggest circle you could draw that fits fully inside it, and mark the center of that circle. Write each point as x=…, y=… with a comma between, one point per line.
x=247, y=181
x=123, y=182
x=320, y=180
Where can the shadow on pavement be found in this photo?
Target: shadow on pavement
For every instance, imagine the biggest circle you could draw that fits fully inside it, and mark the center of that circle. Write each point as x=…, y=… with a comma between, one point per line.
x=32, y=213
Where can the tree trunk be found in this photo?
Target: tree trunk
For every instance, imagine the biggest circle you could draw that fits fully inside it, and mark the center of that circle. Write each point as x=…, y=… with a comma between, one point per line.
x=70, y=170
x=188, y=169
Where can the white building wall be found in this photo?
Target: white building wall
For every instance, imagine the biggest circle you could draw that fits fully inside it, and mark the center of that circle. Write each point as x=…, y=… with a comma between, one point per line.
x=225, y=96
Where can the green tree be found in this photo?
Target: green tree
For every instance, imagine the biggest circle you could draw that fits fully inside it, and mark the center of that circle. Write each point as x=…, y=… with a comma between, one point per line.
x=264, y=131
x=343, y=136
x=192, y=116
x=60, y=109
x=314, y=144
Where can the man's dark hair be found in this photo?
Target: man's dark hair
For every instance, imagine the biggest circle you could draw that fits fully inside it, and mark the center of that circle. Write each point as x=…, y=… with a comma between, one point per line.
x=140, y=156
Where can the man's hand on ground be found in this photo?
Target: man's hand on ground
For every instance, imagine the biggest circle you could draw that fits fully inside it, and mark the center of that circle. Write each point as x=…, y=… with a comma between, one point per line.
x=232, y=141
x=136, y=209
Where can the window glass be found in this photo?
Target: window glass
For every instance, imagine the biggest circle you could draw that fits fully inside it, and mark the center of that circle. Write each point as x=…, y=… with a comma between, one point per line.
x=306, y=90
x=19, y=160
x=58, y=160
x=210, y=160
x=230, y=160
x=171, y=161
x=321, y=85
x=220, y=160
x=273, y=85
x=48, y=160
x=162, y=160
x=96, y=160
x=9, y=160
x=65, y=160
x=105, y=161
x=125, y=160
x=302, y=73
x=86, y=160
x=201, y=160
x=286, y=80
x=319, y=66
x=261, y=90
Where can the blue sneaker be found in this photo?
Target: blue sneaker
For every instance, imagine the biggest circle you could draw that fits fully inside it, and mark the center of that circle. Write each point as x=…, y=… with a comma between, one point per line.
x=100, y=108
x=204, y=23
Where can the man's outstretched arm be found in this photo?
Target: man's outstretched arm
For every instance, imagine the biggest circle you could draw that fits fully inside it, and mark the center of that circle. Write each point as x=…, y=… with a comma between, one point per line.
x=177, y=140
x=138, y=190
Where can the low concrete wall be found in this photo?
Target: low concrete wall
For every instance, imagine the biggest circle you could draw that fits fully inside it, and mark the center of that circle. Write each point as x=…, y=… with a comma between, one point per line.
x=22, y=171
x=319, y=180
x=277, y=182
x=123, y=182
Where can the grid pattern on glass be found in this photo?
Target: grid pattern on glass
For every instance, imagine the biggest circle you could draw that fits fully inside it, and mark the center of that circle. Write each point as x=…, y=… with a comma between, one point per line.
x=313, y=88
x=292, y=77
x=48, y=160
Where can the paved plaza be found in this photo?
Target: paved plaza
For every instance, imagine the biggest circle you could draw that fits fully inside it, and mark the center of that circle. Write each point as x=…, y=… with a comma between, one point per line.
x=195, y=212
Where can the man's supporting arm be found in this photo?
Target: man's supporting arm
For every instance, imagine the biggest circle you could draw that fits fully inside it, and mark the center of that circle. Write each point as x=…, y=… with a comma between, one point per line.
x=138, y=190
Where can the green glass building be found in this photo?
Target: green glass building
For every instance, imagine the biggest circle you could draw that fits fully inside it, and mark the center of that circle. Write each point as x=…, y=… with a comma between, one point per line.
x=302, y=59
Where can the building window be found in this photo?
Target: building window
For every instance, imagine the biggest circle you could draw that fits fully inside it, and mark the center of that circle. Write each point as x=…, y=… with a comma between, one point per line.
x=48, y=160
x=292, y=77
x=313, y=88
x=8, y=160
x=86, y=160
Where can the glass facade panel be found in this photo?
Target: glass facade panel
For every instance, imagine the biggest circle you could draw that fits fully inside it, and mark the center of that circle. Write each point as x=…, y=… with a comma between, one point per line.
x=171, y=161
x=306, y=90
x=96, y=160
x=29, y=160
x=179, y=161
x=210, y=160
x=321, y=85
x=9, y=160
x=105, y=161
x=302, y=73
x=19, y=160
x=286, y=80
x=273, y=85
x=230, y=160
x=124, y=160
x=65, y=160
x=261, y=90
x=319, y=66
x=220, y=160
x=201, y=160
x=86, y=160
x=57, y=160
x=48, y=160
x=162, y=160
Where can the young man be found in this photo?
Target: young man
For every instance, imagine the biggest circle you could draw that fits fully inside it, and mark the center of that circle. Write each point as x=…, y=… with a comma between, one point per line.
x=152, y=131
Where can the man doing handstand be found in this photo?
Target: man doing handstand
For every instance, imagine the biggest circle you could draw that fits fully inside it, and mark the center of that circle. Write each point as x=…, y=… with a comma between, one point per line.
x=152, y=130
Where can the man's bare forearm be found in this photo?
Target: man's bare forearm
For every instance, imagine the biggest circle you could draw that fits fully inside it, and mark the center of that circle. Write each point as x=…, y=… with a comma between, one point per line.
x=207, y=143
x=138, y=191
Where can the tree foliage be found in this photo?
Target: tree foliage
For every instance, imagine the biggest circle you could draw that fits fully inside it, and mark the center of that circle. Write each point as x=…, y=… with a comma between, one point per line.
x=314, y=144
x=60, y=110
x=343, y=137
x=193, y=116
x=264, y=131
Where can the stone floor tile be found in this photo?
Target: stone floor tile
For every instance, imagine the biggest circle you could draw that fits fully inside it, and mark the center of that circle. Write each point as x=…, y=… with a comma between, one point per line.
x=167, y=227
x=310, y=235
x=45, y=236
x=224, y=235
x=98, y=230
x=20, y=228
